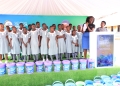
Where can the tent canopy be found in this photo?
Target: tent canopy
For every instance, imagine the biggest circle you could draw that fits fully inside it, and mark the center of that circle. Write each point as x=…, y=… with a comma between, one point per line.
x=100, y=9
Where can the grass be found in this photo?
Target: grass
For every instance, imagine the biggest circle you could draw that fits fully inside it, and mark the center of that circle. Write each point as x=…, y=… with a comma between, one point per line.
x=42, y=79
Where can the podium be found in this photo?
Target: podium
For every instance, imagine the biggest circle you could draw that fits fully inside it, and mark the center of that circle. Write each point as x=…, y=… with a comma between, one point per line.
x=104, y=48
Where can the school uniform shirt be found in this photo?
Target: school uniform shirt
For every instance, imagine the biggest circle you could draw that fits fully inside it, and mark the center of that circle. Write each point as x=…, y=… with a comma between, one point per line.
x=101, y=29
x=44, y=48
x=68, y=41
x=25, y=50
x=53, y=49
x=61, y=42
x=34, y=42
x=79, y=35
x=39, y=29
x=74, y=48
x=3, y=43
x=15, y=43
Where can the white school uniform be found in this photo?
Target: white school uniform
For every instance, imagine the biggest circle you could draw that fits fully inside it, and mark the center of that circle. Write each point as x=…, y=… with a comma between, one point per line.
x=15, y=43
x=44, y=48
x=9, y=33
x=9, y=49
x=39, y=29
x=20, y=33
x=79, y=35
x=74, y=48
x=53, y=49
x=61, y=42
x=25, y=50
x=34, y=42
x=68, y=42
x=3, y=43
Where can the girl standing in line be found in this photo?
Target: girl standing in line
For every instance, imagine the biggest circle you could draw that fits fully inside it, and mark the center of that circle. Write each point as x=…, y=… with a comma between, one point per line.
x=4, y=42
x=44, y=48
x=61, y=41
x=25, y=37
x=52, y=43
x=39, y=29
x=20, y=31
x=9, y=32
x=35, y=42
x=68, y=42
x=79, y=34
x=74, y=44
x=28, y=32
x=15, y=44
x=87, y=28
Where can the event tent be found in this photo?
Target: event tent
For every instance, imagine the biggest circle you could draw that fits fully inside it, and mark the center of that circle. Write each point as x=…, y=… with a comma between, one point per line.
x=107, y=10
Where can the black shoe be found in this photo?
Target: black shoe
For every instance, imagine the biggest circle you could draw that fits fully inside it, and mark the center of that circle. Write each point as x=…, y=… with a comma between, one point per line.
x=34, y=61
x=14, y=61
x=61, y=60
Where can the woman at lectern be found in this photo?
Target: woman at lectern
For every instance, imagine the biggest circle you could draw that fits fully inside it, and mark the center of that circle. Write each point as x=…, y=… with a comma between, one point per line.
x=87, y=27
x=102, y=28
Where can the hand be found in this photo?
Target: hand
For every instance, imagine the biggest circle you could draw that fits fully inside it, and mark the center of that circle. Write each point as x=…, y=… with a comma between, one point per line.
x=10, y=46
x=25, y=45
x=76, y=44
x=63, y=36
x=87, y=24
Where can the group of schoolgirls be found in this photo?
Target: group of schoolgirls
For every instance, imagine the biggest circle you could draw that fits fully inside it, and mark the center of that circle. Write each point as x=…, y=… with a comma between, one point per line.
x=38, y=40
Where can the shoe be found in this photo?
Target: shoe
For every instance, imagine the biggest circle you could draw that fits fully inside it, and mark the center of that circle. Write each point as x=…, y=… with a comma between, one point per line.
x=34, y=61
x=61, y=60
x=14, y=61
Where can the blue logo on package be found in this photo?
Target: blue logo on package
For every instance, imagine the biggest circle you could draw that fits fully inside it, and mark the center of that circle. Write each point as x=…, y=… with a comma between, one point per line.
x=39, y=68
x=83, y=66
x=30, y=69
x=66, y=67
x=11, y=70
x=48, y=68
x=20, y=69
x=57, y=67
x=2, y=71
x=75, y=66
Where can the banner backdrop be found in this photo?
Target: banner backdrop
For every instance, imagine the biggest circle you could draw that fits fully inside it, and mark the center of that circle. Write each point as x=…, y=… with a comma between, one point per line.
x=49, y=20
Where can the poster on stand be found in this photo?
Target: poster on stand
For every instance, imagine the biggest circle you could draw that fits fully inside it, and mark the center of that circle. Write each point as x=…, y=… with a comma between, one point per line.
x=102, y=49
x=105, y=50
